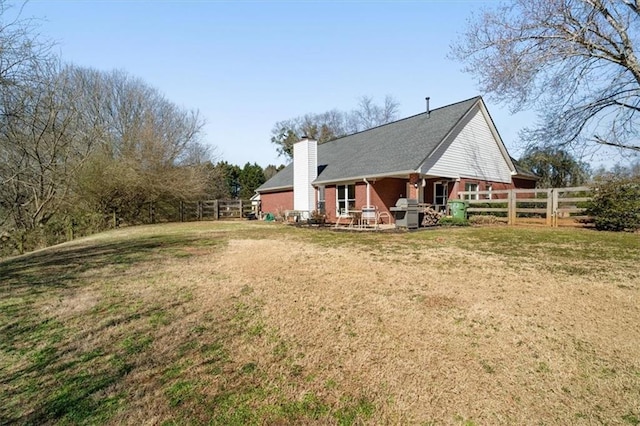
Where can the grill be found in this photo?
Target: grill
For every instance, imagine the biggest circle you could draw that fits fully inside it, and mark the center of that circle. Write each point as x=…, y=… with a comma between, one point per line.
x=406, y=213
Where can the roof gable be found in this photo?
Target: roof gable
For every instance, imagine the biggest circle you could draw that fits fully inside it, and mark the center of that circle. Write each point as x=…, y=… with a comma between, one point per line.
x=473, y=149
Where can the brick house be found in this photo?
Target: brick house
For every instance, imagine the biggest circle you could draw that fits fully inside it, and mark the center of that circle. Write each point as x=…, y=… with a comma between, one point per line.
x=429, y=157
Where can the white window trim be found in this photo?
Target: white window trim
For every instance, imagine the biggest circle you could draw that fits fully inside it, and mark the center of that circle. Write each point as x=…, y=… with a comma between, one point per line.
x=321, y=197
x=468, y=189
x=435, y=193
x=346, y=199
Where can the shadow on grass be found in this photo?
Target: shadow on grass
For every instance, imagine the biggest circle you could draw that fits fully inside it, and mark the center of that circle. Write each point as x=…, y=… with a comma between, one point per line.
x=76, y=400
x=47, y=370
x=59, y=267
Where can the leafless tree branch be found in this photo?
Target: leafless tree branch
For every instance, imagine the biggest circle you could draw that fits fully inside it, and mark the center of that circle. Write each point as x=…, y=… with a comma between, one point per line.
x=574, y=61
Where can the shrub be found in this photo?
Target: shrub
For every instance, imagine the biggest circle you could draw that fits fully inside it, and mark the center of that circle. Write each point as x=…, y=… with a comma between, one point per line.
x=616, y=204
x=317, y=217
x=453, y=221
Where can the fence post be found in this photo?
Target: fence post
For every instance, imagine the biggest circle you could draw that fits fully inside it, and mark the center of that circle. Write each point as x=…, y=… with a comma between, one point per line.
x=511, y=207
x=199, y=210
x=181, y=211
x=555, y=197
x=549, y=215
x=216, y=210
x=241, y=210
x=152, y=212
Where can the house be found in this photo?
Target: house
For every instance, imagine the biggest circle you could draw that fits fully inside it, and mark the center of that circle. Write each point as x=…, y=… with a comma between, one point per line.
x=429, y=157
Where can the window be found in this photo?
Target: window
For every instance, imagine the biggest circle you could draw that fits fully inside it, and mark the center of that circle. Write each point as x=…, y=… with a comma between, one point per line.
x=440, y=194
x=346, y=198
x=472, y=187
x=489, y=188
x=321, y=202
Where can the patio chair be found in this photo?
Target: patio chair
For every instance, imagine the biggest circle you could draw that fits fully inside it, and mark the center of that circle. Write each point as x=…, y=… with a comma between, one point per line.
x=369, y=215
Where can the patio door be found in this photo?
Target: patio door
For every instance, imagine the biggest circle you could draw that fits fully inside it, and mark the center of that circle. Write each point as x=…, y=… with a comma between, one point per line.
x=440, y=195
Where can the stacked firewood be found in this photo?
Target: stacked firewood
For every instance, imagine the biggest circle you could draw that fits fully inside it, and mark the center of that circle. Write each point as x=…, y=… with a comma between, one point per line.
x=431, y=217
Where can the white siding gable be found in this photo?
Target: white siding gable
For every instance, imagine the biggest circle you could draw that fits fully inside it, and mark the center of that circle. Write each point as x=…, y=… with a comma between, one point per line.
x=473, y=150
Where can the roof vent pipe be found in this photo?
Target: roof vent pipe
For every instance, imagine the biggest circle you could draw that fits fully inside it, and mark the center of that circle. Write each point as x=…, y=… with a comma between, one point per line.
x=428, y=111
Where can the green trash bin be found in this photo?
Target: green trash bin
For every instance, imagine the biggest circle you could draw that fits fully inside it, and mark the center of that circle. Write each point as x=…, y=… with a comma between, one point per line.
x=458, y=209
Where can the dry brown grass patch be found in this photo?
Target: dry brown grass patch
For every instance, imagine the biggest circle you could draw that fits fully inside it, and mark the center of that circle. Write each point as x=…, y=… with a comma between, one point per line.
x=447, y=333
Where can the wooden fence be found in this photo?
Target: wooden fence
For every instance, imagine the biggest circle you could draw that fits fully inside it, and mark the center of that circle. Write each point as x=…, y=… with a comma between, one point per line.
x=550, y=203
x=215, y=210
x=184, y=211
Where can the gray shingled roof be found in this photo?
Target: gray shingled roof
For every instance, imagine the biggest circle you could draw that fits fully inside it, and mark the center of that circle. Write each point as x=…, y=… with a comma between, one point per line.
x=523, y=172
x=397, y=147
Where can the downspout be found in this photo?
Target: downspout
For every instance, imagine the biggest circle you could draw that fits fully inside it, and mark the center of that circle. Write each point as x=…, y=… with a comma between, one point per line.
x=368, y=191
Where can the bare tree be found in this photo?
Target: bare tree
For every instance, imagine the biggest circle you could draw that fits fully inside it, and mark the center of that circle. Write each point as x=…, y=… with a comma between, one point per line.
x=574, y=61
x=322, y=127
x=333, y=124
x=20, y=47
x=34, y=147
x=369, y=114
x=43, y=143
x=149, y=148
x=75, y=141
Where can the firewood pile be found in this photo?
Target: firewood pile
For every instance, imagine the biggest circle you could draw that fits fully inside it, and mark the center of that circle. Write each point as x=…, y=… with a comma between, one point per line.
x=431, y=217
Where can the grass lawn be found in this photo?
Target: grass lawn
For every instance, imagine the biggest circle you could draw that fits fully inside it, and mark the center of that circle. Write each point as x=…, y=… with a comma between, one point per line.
x=253, y=323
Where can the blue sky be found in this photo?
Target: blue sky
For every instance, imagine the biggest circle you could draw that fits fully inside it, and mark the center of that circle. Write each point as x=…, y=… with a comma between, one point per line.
x=248, y=64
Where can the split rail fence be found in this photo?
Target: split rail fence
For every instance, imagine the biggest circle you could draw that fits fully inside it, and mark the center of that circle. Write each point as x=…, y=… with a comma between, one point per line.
x=215, y=210
x=188, y=211
x=550, y=203
x=181, y=211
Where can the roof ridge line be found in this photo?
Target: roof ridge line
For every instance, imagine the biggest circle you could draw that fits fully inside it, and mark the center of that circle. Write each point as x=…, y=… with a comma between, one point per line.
x=401, y=119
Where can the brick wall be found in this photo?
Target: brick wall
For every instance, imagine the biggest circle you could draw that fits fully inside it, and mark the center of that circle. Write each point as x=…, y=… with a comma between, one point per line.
x=330, y=203
x=384, y=194
x=274, y=202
